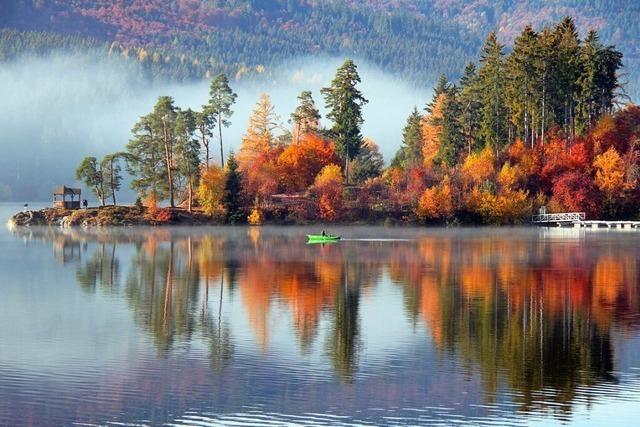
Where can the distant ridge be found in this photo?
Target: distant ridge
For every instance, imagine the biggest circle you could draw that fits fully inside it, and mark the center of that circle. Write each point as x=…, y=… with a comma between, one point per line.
x=189, y=39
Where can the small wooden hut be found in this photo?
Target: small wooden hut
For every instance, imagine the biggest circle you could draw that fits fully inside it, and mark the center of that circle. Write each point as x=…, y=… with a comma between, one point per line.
x=61, y=195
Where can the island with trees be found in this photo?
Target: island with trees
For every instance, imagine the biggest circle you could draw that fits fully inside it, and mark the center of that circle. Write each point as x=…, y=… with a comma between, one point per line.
x=545, y=124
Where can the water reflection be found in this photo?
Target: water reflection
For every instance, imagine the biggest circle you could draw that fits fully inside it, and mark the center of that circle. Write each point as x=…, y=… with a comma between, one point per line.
x=525, y=311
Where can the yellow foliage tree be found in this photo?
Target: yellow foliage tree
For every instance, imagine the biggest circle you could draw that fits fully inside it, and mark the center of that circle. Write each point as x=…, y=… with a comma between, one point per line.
x=609, y=172
x=431, y=128
x=211, y=189
x=509, y=177
x=479, y=167
x=255, y=217
x=259, y=137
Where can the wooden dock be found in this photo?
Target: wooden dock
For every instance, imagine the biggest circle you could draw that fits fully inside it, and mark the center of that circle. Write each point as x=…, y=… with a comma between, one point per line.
x=578, y=220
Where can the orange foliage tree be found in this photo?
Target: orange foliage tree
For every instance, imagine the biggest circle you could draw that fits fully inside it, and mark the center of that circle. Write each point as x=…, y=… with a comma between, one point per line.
x=300, y=163
x=431, y=129
x=436, y=203
x=328, y=189
x=609, y=172
x=257, y=158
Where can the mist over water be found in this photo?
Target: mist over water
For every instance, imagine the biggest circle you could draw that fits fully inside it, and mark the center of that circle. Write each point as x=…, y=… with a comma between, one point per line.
x=55, y=110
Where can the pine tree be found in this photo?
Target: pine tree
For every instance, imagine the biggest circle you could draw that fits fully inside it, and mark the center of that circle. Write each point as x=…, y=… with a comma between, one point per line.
x=205, y=123
x=144, y=159
x=187, y=151
x=306, y=117
x=164, y=119
x=344, y=102
x=221, y=98
x=470, y=104
x=522, y=85
x=452, y=139
x=111, y=173
x=567, y=69
x=491, y=88
x=442, y=86
x=410, y=152
x=232, y=191
x=368, y=163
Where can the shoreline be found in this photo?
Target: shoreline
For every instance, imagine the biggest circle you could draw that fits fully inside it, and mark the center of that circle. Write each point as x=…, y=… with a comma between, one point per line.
x=131, y=215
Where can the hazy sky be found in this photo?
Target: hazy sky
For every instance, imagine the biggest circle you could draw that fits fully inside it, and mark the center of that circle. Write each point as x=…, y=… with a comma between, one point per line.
x=59, y=109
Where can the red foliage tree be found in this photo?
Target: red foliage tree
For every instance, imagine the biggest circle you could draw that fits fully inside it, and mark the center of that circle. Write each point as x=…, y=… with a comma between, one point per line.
x=575, y=191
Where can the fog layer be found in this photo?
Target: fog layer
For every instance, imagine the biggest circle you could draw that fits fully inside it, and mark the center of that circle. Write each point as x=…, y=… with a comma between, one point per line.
x=56, y=110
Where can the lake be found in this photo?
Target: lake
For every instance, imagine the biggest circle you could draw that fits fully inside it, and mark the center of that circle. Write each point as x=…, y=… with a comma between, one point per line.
x=250, y=325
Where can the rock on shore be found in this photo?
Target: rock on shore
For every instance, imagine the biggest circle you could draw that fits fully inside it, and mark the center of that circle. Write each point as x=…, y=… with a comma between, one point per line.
x=108, y=216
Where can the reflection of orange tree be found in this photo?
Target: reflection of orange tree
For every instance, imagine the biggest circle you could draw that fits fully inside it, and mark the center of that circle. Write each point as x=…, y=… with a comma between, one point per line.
x=533, y=313
x=309, y=280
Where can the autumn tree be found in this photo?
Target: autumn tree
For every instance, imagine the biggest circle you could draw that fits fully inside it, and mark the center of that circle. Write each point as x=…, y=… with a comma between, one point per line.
x=221, y=98
x=479, y=167
x=259, y=137
x=575, y=191
x=610, y=170
x=299, y=163
x=328, y=189
x=344, y=102
x=431, y=130
x=211, y=190
x=436, y=202
x=258, y=154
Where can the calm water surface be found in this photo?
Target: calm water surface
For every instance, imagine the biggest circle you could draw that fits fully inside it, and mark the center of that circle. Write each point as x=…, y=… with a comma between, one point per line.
x=204, y=326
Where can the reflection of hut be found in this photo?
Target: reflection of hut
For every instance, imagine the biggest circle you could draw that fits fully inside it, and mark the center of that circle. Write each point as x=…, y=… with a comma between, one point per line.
x=63, y=192
x=66, y=250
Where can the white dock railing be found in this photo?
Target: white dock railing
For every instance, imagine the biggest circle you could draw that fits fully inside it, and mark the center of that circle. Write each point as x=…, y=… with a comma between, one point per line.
x=559, y=217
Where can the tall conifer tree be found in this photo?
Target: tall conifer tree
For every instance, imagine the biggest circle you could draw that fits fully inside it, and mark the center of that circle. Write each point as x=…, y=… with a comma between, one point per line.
x=344, y=102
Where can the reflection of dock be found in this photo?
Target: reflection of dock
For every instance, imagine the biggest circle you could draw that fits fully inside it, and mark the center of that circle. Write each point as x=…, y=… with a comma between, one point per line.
x=578, y=220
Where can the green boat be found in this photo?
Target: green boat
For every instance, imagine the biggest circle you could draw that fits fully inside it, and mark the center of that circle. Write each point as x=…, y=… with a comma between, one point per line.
x=319, y=238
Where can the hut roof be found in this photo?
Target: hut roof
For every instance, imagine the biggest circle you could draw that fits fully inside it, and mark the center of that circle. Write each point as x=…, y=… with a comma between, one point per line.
x=62, y=190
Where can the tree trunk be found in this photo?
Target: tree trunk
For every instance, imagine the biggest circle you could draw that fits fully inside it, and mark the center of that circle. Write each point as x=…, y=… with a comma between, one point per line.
x=346, y=167
x=220, y=137
x=168, y=160
x=113, y=180
x=190, y=193
x=205, y=144
x=544, y=97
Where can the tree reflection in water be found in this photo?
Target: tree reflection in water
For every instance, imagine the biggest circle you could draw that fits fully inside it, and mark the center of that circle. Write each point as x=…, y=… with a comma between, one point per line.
x=534, y=314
